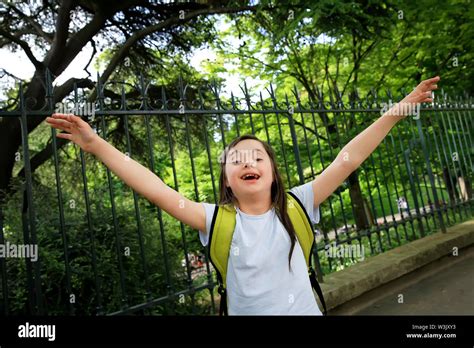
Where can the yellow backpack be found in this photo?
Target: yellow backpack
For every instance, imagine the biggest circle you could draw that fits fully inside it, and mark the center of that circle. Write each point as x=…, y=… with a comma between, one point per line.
x=220, y=238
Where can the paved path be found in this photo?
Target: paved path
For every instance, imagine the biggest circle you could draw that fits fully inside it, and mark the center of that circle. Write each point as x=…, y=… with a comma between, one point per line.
x=449, y=291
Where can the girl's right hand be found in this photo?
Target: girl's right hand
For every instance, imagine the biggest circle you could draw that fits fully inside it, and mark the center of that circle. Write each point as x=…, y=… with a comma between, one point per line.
x=79, y=131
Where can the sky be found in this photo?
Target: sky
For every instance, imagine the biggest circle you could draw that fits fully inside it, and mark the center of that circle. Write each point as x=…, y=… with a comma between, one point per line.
x=19, y=65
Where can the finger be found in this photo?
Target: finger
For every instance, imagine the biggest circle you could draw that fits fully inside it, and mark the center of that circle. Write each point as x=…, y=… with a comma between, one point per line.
x=64, y=136
x=62, y=126
x=432, y=87
x=62, y=116
x=67, y=117
x=428, y=97
x=74, y=119
x=432, y=80
x=59, y=122
x=59, y=127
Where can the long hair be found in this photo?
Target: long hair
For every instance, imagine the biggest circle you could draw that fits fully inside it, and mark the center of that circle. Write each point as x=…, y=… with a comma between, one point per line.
x=278, y=193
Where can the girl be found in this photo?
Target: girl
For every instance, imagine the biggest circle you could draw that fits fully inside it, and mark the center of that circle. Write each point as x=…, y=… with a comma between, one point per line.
x=259, y=280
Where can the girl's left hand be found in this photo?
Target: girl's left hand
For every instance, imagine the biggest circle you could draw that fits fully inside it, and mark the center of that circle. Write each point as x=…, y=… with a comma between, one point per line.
x=422, y=92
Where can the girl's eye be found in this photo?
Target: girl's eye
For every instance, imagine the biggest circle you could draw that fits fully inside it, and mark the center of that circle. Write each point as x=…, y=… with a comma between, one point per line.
x=239, y=161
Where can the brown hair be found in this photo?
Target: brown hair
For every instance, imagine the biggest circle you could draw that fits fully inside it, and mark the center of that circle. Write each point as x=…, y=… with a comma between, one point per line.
x=278, y=192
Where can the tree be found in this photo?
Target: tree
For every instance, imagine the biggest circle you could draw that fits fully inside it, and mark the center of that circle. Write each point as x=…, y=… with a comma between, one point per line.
x=339, y=51
x=52, y=33
x=285, y=45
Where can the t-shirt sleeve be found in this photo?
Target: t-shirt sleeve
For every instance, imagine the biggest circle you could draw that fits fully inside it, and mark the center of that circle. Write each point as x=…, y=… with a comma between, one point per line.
x=204, y=235
x=306, y=196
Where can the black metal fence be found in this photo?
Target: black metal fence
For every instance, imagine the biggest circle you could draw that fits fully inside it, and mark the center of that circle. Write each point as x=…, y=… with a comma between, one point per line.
x=104, y=250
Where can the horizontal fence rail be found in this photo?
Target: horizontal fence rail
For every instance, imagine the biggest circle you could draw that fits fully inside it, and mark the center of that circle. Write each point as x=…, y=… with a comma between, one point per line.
x=101, y=249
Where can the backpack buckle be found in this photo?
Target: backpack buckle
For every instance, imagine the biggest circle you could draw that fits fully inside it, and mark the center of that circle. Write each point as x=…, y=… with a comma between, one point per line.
x=221, y=289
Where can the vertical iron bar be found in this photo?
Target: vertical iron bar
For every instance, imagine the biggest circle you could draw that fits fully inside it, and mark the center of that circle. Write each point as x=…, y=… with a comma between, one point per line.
x=49, y=98
x=296, y=149
x=236, y=120
x=456, y=198
x=210, y=280
x=118, y=244
x=176, y=187
x=277, y=112
x=265, y=119
x=321, y=158
x=219, y=115
x=445, y=206
x=392, y=174
x=405, y=193
x=249, y=106
x=169, y=281
x=135, y=202
x=430, y=174
x=3, y=266
x=99, y=307
x=38, y=295
x=463, y=174
x=449, y=179
x=298, y=103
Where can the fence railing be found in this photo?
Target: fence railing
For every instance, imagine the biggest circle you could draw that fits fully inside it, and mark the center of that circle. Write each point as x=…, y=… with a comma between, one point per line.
x=102, y=249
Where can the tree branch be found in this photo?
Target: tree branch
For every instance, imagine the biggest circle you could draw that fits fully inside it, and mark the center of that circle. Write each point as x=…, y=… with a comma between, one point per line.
x=94, y=51
x=122, y=52
x=83, y=36
x=38, y=65
x=2, y=70
x=47, y=36
x=62, y=24
x=60, y=92
x=392, y=59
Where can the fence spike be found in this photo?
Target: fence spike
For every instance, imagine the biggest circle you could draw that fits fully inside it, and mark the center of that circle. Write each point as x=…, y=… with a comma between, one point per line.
x=232, y=100
x=181, y=88
x=163, y=97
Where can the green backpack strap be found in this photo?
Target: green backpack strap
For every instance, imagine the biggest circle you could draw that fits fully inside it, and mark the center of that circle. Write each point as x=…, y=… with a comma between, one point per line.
x=304, y=232
x=220, y=239
x=301, y=223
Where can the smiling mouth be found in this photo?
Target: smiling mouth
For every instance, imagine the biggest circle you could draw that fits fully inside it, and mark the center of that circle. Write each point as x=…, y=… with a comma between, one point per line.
x=250, y=177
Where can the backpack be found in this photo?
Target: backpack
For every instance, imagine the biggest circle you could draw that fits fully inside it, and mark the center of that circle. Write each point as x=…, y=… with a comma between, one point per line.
x=220, y=238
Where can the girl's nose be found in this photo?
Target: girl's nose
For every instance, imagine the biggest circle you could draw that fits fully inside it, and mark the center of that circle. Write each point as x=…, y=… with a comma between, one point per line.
x=250, y=164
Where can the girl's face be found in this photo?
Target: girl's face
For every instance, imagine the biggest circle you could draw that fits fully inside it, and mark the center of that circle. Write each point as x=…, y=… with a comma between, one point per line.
x=248, y=168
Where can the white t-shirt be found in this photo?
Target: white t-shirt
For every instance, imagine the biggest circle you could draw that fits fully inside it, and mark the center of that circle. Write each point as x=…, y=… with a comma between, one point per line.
x=258, y=279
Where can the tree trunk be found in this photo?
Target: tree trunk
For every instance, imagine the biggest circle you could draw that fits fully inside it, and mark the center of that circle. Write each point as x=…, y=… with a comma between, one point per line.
x=10, y=131
x=9, y=146
x=360, y=215
x=449, y=181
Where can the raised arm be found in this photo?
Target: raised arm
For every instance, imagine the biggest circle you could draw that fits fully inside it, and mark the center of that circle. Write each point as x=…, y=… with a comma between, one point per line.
x=359, y=149
x=138, y=177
